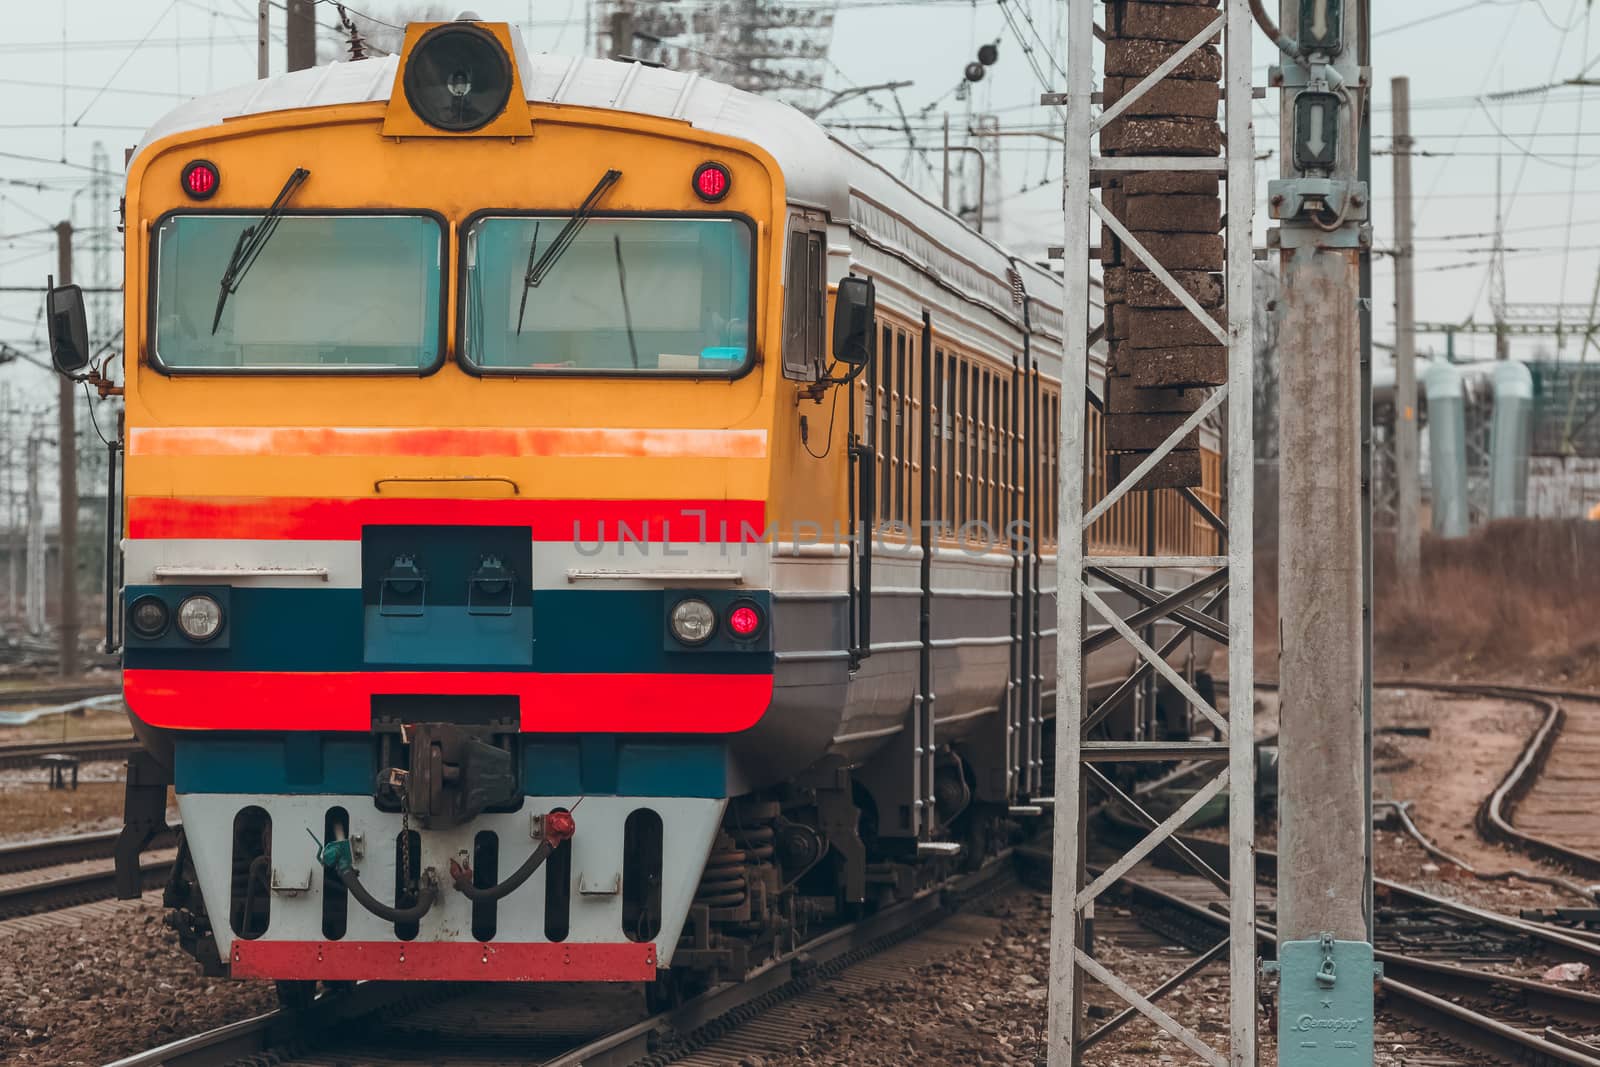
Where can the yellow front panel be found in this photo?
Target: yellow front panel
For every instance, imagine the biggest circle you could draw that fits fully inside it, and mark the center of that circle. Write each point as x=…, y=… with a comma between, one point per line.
x=353, y=167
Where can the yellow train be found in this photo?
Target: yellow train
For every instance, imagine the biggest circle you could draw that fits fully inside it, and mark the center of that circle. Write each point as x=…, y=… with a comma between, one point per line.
x=580, y=519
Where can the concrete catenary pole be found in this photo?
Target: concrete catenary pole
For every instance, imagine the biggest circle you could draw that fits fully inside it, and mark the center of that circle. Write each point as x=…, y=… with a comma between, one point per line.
x=301, y=32
x=1408, y=531
x=263, y=41
x=1322, y=793
x=67, y=434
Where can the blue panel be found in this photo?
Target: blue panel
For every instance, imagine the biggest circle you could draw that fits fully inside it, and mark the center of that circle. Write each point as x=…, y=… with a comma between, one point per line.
x=313, y=764
x=603, y=631
x=604, y=766
x=449, y=635
x=550, y=768
x=672, y=770
x=598, y=760
x=273, y=765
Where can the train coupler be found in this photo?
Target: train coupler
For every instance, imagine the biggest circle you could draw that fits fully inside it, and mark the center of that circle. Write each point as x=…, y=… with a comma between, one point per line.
x=452, y=775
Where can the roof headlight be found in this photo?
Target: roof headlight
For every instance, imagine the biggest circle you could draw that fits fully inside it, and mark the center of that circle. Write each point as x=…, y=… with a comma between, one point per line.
x=693, y=621
x=200, y=617
x=458, y=78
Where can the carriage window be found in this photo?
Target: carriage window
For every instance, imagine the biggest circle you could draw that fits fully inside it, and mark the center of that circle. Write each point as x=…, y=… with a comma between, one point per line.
x=326, y=293
x=627, y=296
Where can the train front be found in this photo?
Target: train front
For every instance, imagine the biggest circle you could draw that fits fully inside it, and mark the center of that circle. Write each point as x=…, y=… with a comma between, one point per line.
x=445, y=441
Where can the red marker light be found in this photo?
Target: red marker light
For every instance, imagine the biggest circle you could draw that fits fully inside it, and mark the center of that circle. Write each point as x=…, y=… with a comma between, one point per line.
x=712, y=181
x=558, y=827
x=200, y=179
x=744, y=621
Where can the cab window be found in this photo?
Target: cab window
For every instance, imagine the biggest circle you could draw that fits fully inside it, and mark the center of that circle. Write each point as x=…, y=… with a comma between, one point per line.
x=327, y=293
x=646, y=296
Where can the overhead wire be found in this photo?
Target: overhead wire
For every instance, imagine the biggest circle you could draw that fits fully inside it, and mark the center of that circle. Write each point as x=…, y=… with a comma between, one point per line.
x=131, y=53
x=1502, y=209
x=1572, y=188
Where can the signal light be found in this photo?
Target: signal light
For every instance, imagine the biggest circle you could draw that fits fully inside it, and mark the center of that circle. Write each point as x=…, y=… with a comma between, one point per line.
x=712, y=182
x=745, y=620
x=200, y=179
x=988, y=55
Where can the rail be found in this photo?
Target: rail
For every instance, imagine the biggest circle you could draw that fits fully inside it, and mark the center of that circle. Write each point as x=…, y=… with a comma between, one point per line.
x=73, y=848
x=28, y=753
x=698, y=1020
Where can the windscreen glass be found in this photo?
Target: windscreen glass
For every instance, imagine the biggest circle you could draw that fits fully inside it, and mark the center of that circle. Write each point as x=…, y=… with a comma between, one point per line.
x=326, y=293
x=625, y=296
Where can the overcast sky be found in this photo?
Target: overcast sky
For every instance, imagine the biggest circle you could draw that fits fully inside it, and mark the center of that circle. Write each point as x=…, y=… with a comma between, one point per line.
x=77, y=72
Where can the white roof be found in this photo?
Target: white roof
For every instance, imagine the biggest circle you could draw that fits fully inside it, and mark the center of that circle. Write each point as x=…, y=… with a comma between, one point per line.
x=818, y=169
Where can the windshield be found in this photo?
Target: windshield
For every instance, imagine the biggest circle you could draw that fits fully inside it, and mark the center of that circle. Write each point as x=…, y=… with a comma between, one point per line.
x=328, y=293
x=652, y=296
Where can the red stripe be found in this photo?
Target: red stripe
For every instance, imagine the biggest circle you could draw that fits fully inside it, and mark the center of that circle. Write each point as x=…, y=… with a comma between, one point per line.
x=551, y=703
x=327, y=519
x=446, y=961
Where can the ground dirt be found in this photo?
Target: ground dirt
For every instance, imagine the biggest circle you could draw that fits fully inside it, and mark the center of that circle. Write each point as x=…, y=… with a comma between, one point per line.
x=102, y=991
x=987, y=1007
x=30, y=809
x=70, y=726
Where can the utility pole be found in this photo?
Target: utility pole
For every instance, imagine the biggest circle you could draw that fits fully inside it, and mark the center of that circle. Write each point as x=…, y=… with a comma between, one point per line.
x=622, y=31
x=67, y=433
x=1408, y=535
x=301, y=30
x=34, y=569
x=1325, y=956
x=263, y=40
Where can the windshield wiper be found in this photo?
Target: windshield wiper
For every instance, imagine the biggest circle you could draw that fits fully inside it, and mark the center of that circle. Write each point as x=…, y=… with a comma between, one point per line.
x=538, y=271
x=622, y=286
x=254, y=238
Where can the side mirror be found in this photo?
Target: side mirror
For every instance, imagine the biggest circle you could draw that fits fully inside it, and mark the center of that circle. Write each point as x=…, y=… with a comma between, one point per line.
x=69, y=329
x=854, y=330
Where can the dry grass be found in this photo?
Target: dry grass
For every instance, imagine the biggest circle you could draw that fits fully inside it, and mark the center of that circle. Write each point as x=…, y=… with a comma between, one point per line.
x=1516, y=598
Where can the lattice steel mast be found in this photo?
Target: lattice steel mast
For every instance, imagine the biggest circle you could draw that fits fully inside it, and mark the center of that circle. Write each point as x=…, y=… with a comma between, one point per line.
x=1151, y=92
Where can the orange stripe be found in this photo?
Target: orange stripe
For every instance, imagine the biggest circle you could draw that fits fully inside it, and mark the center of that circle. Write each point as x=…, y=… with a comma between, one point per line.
x=599, y=442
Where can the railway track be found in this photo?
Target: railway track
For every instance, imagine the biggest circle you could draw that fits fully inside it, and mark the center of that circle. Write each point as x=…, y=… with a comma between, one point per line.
x=1421, y=939
x=73, y=848
x=68, y=885
x=1450, y=967
x=59, y=693
x=28, y=753
x=564, y=1026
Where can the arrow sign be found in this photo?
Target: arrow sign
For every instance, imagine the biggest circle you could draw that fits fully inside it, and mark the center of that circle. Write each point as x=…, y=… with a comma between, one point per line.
x=1322, y=26
x=1316, y=129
